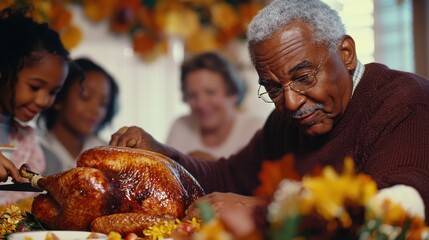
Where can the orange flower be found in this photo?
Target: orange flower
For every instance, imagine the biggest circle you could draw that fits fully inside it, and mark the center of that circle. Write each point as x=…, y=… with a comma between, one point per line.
x=201, y=41
x=224, y=16
x=98, y=10
x=122, y=20
x=229, y=34
x=134, y=4
x=5, y=3
x=124, y=16
x=418, y=226
x=42, y=11
x=61, y=17
x=146, y=18
x=272, y=173
x=247, y=11
x=204, y=3
x=148, y=46
x=143, y=42
x=71, y=37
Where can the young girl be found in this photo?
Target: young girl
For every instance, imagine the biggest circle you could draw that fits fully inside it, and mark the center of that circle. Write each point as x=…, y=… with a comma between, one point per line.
x=33, y=67
x=80, y=111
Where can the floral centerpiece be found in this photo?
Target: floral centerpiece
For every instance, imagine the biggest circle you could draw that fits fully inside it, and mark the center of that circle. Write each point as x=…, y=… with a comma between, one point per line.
x=16, y=218
x=323, y=205
x=331, y=205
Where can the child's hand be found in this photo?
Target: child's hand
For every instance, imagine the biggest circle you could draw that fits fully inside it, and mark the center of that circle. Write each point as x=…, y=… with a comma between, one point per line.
x=7, y=168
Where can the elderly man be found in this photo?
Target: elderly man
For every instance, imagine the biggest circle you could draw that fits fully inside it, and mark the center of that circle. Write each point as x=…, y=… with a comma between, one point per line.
x=328, y=106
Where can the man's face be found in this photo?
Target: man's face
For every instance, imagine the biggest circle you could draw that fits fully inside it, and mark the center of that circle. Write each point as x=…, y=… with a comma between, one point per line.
x=291, y=55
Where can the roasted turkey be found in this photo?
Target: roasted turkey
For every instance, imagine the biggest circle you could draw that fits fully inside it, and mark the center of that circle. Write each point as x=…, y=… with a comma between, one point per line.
x=114, y=189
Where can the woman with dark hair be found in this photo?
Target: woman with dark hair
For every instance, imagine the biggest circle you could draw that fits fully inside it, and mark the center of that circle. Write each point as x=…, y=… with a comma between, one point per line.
x=33, y=67
x=215, y=127
x=85, y=104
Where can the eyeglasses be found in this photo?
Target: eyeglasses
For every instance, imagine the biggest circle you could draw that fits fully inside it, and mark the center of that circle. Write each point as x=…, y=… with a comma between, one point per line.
x=299, y=85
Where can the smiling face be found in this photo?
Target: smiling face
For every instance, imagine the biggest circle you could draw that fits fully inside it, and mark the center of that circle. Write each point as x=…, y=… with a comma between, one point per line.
x=206, y=94
x=85, y=106
x=290, y=54
x=37, y=86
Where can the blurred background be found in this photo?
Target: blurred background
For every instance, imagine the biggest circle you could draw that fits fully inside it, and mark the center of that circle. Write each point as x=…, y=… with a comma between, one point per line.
x=143, y=42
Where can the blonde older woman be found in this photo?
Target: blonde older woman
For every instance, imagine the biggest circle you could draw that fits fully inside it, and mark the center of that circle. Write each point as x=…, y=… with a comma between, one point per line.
x=215, y=127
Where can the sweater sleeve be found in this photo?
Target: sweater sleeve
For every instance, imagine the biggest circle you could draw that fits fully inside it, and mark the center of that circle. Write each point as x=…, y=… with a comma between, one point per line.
x=400, y=153
x=236, y=174
x=239, y=172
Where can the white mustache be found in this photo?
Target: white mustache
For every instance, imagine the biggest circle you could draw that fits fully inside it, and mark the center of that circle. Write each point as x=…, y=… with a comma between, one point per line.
x=304, y=110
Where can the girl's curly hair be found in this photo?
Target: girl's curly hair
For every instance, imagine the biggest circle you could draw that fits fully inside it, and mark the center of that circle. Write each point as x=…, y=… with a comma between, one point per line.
x=22, y=38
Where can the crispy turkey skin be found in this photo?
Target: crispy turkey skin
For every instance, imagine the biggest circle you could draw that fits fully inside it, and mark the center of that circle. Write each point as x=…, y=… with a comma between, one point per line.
x=141, y=186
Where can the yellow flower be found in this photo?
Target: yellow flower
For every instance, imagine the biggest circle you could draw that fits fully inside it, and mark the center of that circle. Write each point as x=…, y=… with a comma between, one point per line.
x=114, y=236
x=43, y=10
x=159, y=231
x=9, y=220
x=97, y=10
x=201, y=41
x=224, y=16
x=181, y=22
x=213, y=230
x=330, y=191
x=195, y=223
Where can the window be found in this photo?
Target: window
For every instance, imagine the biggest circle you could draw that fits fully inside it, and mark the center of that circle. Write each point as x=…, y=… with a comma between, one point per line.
x=382, y=30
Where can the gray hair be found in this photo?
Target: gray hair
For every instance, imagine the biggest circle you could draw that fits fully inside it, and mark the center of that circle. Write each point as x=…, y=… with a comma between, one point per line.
x=323, y=20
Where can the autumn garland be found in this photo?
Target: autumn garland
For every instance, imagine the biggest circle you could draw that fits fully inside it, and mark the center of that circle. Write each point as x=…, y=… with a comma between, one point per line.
x=203, y=25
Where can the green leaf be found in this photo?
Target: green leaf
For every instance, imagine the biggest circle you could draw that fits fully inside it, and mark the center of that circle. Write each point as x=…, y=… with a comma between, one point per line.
x=32, y=222
x=404, y=230
x=206, y=211
x=288, y=229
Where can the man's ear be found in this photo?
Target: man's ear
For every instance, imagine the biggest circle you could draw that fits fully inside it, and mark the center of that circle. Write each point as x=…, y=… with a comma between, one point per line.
x=347, y=51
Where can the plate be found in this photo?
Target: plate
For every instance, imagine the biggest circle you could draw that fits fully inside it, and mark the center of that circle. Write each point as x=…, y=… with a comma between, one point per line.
x=62, y=235
x=7, y=148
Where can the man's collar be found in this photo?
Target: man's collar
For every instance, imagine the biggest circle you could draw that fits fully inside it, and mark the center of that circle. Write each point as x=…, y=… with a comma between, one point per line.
x=357, y=75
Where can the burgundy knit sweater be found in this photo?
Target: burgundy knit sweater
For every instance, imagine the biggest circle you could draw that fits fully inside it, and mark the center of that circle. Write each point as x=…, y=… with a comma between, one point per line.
x=385, y=128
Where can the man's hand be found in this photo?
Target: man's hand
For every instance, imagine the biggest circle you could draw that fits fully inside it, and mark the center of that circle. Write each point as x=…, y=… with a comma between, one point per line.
x=223, y=201
x=235, y=211
x=135, y=137
x=202, y=156
x=7, y=168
